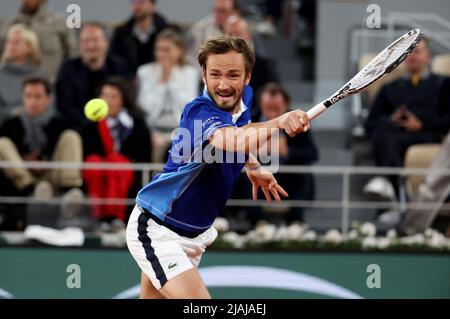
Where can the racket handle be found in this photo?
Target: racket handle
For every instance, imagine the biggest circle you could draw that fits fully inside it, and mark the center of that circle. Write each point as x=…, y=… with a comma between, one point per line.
x=316, y=110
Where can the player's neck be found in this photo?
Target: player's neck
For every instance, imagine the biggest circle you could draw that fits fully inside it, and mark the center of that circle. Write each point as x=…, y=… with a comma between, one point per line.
x=237, y=108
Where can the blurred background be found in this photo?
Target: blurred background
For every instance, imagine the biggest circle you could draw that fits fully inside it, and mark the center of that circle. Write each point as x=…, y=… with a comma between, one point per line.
x=369, y=184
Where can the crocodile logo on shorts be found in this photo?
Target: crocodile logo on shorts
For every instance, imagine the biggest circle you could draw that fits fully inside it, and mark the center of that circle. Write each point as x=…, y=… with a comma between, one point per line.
x=172, y=265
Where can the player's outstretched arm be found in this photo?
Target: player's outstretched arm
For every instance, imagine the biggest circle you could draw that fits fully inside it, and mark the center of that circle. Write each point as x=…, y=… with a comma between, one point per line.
x=260, y=177
x=254, y=135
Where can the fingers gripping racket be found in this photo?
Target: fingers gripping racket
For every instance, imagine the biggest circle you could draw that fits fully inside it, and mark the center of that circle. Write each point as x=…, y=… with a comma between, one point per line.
x=386, y=61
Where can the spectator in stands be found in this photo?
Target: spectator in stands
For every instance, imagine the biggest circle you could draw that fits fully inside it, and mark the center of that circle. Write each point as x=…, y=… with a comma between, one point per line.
x=273, y=12
x=57, y=41
x=21, y=58
x=165, y=87
x=134, y=40
x=298, y=150
x=263, y=71
x=435, y=189
x=79, y=78
x=38, y=133
x=209, y=26
x=408, y=111
x=122, y=137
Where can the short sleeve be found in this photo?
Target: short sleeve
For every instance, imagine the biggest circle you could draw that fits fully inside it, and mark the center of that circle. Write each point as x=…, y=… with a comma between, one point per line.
x=205, y=120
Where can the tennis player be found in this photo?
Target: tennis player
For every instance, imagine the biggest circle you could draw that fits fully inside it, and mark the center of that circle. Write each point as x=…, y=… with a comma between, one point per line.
x=171, y=225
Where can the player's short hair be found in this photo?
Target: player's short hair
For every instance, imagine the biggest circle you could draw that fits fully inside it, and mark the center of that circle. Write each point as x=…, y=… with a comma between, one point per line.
x=224, y=44
x=38, y=80
x=274, y=88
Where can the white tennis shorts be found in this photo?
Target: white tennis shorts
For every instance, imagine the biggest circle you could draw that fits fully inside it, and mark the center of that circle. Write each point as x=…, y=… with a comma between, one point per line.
x=160, y=252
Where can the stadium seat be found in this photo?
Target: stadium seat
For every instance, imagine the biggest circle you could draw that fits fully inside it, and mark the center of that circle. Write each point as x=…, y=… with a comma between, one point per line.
x=418, y=156
x=441, y=64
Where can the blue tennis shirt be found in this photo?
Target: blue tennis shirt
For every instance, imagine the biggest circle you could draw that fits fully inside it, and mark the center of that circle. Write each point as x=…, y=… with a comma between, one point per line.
x=197, y=179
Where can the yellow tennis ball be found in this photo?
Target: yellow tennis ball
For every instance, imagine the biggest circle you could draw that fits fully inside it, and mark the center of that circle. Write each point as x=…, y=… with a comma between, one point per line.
x=96, y=110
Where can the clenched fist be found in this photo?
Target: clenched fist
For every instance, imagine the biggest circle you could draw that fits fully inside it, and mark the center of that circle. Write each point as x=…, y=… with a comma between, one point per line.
x=294, y=122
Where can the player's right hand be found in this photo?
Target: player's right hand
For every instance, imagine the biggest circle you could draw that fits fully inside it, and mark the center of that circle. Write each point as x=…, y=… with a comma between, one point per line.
x=294, y=122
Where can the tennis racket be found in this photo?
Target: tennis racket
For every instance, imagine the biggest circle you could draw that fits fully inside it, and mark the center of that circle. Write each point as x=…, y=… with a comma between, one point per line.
x=386, y=61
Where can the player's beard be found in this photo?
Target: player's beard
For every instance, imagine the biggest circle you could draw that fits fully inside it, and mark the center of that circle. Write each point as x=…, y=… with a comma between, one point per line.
x=227, y=100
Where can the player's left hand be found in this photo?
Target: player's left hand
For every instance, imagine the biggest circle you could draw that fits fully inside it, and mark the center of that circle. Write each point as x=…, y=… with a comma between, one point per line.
x=263, y=178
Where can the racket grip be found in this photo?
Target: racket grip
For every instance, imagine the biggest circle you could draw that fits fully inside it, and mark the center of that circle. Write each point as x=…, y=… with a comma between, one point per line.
x=316, y=110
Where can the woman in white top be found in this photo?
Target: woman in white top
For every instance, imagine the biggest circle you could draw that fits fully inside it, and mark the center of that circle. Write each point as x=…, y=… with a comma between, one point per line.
x=165, y=87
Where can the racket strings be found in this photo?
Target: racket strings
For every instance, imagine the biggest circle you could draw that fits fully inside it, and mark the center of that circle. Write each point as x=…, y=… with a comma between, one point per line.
x=383, y=61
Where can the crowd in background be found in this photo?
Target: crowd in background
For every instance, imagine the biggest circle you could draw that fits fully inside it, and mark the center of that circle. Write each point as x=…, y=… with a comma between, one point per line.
x=146, y=69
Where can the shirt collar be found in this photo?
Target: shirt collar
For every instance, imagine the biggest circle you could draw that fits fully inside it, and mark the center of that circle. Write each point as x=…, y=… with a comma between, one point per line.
x=237, y=115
